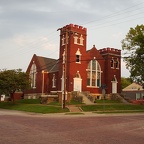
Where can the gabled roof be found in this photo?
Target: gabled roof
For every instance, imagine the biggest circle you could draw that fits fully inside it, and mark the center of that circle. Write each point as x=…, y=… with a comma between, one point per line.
x=92, y=49
x=44, y=63
x=93, y=52
x=49, y=64
x=133, y=87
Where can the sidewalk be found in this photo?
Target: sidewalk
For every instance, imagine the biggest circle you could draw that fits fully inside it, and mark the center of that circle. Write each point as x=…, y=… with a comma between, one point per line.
x=73, y=108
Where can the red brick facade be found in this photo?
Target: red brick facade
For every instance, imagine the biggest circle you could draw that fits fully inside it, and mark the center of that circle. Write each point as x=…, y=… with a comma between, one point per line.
x=86, y=70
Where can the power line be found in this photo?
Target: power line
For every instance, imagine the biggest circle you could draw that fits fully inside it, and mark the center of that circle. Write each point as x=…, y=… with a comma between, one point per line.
x=115, y=14
x=116, y=23
x=89, y=22
x=58, y=61
x=35, y=43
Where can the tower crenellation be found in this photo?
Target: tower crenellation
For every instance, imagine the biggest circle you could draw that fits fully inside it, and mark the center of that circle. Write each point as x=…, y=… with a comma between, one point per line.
x=75, y=28
x=109, y=50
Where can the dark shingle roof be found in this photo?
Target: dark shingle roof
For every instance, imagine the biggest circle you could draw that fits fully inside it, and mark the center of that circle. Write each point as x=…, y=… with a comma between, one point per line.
x=49, y=64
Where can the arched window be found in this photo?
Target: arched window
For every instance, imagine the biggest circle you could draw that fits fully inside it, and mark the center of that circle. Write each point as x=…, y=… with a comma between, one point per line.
x=54, y=81
x=94, y=74
x=33, y=75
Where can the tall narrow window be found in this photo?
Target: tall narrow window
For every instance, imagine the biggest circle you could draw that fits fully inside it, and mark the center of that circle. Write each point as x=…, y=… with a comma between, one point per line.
x=54, y=81
x=93, y=74
x=117, y=64
x=81, y=40
x=64, y=56
x=112, y=63
x=67, y=40
x=33, y=75
x=76, y=38
x=78, y=56
x=98, y=75
x=63, y=40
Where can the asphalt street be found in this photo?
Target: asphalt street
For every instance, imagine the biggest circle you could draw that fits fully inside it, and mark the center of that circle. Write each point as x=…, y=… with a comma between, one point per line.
x=90, y=128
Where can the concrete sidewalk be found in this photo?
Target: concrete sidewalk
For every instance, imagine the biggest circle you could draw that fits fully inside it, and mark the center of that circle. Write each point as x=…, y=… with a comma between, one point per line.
x=73, y=108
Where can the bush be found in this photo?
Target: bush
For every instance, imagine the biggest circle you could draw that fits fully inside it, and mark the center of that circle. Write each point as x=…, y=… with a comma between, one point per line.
x=78, y=99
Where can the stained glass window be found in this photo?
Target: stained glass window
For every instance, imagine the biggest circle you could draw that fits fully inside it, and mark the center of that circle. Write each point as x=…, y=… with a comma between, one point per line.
x=33, y=75
x=94, y=74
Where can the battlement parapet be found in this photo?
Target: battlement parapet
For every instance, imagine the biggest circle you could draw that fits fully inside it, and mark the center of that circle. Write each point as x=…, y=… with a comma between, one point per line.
x=74, y=26
x=110, y=50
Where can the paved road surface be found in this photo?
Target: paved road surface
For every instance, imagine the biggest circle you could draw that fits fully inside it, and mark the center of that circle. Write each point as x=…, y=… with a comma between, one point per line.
x=28, y=128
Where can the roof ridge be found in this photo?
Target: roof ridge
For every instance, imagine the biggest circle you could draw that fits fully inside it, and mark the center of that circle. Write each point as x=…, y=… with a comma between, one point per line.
x=46, y=57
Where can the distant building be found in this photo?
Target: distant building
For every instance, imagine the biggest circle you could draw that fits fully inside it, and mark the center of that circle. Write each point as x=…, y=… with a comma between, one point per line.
x=133, y=92
x=2, y=97
x=80, y=69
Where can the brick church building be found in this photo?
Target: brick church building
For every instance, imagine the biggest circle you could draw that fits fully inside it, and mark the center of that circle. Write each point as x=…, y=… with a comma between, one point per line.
x=77, y=68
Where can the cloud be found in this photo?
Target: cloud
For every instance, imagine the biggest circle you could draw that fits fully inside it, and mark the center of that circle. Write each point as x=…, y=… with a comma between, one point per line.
x=18, y=16
x=37, y=44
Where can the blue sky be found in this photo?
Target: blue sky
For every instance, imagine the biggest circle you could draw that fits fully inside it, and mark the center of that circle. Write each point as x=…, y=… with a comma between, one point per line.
x=29, y=27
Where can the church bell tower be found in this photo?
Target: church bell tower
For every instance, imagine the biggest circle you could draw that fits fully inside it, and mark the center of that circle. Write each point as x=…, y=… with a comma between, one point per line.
x=72, y=50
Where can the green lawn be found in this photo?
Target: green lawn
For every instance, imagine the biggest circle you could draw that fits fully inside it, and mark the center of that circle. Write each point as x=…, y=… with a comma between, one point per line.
x=28, y=101
x=113, y=107
x=33, y=105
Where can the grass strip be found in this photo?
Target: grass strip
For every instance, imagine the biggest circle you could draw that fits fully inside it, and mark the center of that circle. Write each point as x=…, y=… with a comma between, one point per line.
x=112, y=107
x=36, y=108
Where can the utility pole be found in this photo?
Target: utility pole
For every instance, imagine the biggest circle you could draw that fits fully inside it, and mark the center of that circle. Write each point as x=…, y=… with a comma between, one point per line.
x=65, y=68
x=64, y=93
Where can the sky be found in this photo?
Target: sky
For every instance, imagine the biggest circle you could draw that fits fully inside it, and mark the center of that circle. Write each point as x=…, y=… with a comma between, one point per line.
x=29, y=27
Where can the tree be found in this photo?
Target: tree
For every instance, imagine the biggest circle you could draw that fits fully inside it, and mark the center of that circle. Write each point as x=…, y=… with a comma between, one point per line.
x=125, y=82
x=13, y=80
x=134, y=46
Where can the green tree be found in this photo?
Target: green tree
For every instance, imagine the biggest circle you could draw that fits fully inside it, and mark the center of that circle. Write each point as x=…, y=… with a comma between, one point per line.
x=13, y=80
x=134, y=46
x=125, y=82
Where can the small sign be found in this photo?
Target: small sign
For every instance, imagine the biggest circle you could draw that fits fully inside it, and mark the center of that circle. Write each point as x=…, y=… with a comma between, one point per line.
x=103, y=86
